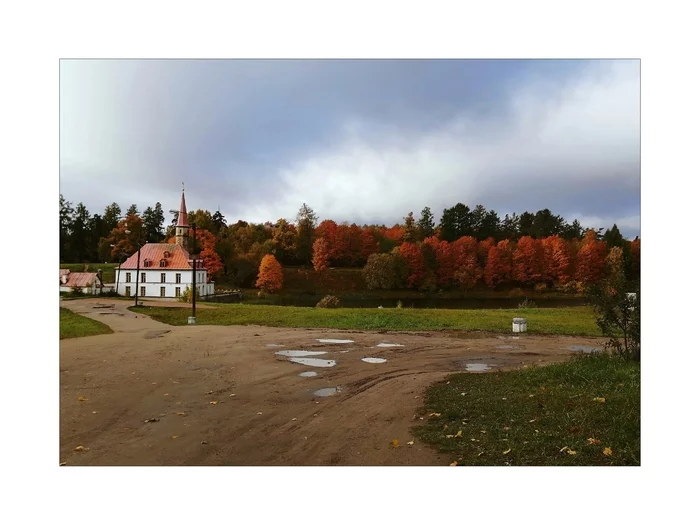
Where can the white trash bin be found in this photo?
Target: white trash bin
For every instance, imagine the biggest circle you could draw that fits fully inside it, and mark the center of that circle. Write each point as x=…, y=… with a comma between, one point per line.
x=519, y=325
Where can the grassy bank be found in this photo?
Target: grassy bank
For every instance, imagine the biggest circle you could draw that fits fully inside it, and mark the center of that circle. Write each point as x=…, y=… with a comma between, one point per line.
x=565, y=414
x=74, y=325
x=564, y=321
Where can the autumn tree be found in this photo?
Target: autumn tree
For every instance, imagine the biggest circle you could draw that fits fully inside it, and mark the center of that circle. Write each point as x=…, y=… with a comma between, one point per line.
x=590, y=260
x=306, y=224
x=466, y=259
x=527, y=261
x=444, y=261
x=498, y=264
x=123, y=244
x=561, y=261
x=413, y=257
x=370, y=243
x=269, y=275
x=382, y=271
x=284, y=238
x=320, y=258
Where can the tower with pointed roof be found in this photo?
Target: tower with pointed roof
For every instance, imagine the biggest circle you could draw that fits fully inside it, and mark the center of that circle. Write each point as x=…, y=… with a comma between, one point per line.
x=182, y=227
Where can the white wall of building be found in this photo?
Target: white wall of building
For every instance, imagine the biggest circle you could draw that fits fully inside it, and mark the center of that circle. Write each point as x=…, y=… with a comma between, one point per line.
x=151, y=283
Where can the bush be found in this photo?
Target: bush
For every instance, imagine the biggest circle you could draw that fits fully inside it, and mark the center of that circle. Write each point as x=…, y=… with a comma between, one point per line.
x=329, y=301
x=618, y=315
x=569, y=287
x=541, y=287
x=527, y=303
x=399, y=304
x=384, y=271
x=516, y=292
x=186, y=296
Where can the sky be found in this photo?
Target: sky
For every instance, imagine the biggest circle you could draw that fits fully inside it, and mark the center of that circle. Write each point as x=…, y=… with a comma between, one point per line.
x=362, y=141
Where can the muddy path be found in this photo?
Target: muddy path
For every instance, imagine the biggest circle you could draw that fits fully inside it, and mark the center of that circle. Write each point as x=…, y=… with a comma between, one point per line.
x=156, y=394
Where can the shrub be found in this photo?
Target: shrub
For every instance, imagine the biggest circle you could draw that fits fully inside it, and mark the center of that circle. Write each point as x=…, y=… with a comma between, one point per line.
x=329, y=301
x=527, y=303
x=541, y=287
x=186, y=296
x=618, y=315
x=383, y=271
x=399, y=304
x=516, y=292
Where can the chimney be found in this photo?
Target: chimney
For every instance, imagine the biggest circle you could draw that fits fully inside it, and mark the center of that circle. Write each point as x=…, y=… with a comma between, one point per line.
x=64, y=278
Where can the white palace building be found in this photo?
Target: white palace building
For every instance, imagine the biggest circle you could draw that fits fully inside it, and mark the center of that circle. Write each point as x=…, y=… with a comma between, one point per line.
x=165, y=270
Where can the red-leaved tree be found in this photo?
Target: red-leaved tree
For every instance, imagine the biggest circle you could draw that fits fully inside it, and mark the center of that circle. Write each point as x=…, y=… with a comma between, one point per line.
x=527, y=261
x=466, y=260
x=269, y=275
x=498, y=264
x=320, y=257
x=413, y=257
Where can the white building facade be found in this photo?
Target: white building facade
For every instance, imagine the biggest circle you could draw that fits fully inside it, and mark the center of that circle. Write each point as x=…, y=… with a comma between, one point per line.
x=164, y=270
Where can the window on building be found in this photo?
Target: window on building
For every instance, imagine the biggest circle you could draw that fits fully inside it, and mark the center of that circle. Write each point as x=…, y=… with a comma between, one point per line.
x=143, y=277
x=163, y=263
x=177, y=291
x=128, y=291
x=162, y=277
x=128, y=277
x=162, y=291
x=178, y=278
x=143, y=291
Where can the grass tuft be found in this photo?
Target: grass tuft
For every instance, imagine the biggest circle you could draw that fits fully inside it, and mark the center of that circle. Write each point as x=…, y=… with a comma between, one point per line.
x=73, y=325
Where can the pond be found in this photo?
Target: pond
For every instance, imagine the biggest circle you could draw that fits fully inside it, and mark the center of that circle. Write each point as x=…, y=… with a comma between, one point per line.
x=461, y=303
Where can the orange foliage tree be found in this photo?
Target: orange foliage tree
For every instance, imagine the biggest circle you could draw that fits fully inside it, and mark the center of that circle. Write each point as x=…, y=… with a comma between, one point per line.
x=466, y=260
x=590, y=259
x=125, y=244
x=269, y=275
x=320, y=257
x=444, y=260
x=413, y=257
x=498, y=264
x=527, y=261
x=206, y=241
x=561, y=264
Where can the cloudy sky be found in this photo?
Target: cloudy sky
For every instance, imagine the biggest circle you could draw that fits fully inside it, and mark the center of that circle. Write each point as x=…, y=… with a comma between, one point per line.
x=361, y=141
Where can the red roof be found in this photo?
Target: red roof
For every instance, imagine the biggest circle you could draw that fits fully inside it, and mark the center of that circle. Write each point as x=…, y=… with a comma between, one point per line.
x=79, y=279
x=178, y=258
x=182, y=215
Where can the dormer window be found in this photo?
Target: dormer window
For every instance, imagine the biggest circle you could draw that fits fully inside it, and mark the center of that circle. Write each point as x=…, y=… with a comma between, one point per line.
x=166, y=254
x=163, y=263
x=147, y=263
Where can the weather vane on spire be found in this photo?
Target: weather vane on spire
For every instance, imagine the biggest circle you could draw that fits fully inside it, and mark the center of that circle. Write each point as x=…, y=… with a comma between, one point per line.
x=183, y=187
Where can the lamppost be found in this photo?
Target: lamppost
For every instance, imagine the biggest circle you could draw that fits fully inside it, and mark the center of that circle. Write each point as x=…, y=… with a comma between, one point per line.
x=138, y=268
x=193, y=319
x=119, y=268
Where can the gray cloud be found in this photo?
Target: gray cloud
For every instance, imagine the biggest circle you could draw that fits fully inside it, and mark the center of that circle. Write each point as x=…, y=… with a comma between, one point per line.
x=363, y=141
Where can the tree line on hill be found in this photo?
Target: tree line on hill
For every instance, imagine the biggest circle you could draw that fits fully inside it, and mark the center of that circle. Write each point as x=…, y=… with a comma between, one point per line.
x=465, y=248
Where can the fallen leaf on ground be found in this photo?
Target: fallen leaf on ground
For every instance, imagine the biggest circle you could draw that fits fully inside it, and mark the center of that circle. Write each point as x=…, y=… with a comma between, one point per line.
x=532, y=421
x=81, y=398
x=436, y=414
x=94, y=411
x=166, y=394
x=593, y=441
x=506, y=428
x=599, y=399
x=463, y=394
x=232, y=395
x=571, y=452
x=563, y=449
x=81, y=448
x=173, y=437
x=203, y=442
x=394, y=443
x=152, y=420
x=458, y=434
x=483, y=431
x=543, y=389
x=206, y=393
x=531, y=395
x=607, y=451
x=449, y=436
x=260, y=413
x=410, y=443
x=453, y=464
x=62, y=464
x=506, y=452
x=180, y=413
x=213, y=402
x=294, y=419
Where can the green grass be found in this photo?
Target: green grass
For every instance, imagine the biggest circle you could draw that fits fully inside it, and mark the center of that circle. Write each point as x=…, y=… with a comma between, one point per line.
x=74, y=325
x=563, y=321
x=537, y=412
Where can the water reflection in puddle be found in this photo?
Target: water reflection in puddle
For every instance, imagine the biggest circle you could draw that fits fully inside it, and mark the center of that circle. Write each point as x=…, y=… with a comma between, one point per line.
x=584, y=349
x=298, y=353
x=310, y=361
x=335, y=341
x=373, y=360
x=327, y=392
x=308, y=374
x=387, y=345
x=477, y=367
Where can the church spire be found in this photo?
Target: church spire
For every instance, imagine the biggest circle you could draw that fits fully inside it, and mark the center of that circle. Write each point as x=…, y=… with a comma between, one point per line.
x=182, y=227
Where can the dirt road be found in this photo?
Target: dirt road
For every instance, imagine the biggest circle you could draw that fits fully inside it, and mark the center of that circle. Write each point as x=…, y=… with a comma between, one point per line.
x=219, y=395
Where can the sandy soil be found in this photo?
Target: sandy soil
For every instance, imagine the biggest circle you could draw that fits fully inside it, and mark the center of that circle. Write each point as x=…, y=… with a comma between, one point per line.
x=220, y=396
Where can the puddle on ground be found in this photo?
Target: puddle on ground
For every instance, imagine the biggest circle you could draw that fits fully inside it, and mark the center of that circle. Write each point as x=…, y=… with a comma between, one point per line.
x=373, y=360
x=327, y=392
x=273, y=345
x=308, y=374
x=335, y=341
x=387, y=345
x=310, y=361
x=477, y=367
x=584, y=349
x=298, y=353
